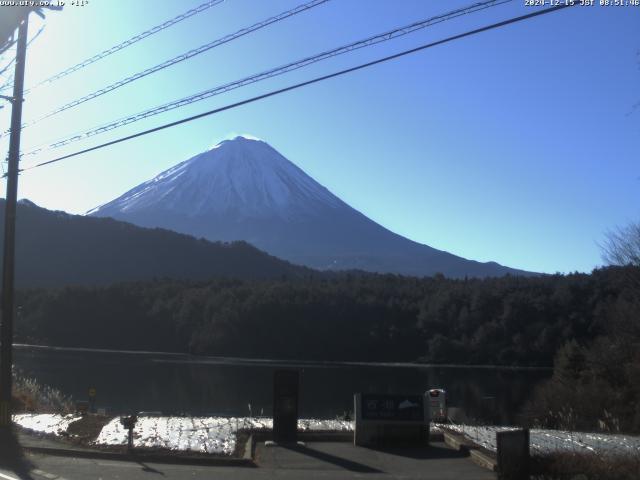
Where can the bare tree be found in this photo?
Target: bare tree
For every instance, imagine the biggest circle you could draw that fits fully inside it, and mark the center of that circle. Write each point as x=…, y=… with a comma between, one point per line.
x=622, y=245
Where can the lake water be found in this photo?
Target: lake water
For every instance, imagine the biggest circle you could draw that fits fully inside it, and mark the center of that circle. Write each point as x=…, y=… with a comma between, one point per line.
x=177, y=384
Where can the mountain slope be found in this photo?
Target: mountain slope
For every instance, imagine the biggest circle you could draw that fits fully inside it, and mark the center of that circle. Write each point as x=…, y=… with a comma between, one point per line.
x=55, y=248
x=243, y=189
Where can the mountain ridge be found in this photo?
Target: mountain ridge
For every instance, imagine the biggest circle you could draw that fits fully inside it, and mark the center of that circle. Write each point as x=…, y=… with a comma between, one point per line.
x=54, y=248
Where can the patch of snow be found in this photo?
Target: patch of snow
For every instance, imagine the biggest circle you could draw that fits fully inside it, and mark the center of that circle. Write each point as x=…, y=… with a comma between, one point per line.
x=544, y=441
x=201, y=434
x=51, y=423
x=233, y=136
x=313, y=425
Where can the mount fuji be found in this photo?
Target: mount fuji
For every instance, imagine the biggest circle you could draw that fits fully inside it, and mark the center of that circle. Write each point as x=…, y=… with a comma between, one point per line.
x=243, y=189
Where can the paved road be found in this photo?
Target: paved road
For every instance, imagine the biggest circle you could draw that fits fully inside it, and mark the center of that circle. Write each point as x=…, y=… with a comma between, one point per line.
x=321, y=460
x=342, y=460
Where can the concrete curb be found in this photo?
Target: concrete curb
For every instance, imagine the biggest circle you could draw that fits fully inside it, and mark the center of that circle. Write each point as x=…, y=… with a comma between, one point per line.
x=477, y=454
x=248, y=449
x=261, y=436
x=140, y=455
x=457, y=442
x=482, y=459
x=185, y=459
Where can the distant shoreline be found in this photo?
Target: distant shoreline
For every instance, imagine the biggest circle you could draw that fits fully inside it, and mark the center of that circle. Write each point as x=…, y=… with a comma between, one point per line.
x=204, y=359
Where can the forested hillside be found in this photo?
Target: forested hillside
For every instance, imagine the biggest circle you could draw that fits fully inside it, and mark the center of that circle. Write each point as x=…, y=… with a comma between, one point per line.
x=507, y=321
x=55, y=248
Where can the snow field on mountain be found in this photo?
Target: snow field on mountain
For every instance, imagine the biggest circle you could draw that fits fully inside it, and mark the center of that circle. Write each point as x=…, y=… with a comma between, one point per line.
x=240, y=175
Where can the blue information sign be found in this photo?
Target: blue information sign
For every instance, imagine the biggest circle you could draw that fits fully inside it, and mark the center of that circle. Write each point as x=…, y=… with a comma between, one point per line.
x=408, y=408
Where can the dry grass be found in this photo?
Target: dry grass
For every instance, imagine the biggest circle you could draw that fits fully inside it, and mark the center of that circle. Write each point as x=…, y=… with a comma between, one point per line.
x=592, y=466
x=31, y=396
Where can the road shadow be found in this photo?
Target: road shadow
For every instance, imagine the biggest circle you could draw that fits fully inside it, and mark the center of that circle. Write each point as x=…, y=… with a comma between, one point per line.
x=332, y=459
x=426, y=452
x=148, y=469
x=12, y=456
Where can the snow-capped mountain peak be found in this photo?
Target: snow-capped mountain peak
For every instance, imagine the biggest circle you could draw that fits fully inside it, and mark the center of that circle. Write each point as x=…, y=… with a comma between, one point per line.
x=242, y=175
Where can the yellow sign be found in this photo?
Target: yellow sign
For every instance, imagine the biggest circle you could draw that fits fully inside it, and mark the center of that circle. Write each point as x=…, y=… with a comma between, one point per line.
x=92, y=392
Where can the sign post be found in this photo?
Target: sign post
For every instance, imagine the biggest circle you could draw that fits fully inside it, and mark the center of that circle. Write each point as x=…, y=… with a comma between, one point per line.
x=285, y=406
x=92, y=400
x=513, y=454
x=390, y=419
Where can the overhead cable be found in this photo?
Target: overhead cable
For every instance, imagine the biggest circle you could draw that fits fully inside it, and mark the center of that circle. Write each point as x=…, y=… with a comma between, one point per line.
x=308, y=82
x=128, y=42
x=180, y=58
x=379, y=38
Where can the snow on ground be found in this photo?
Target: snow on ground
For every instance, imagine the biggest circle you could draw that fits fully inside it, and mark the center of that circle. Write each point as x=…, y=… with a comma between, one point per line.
x=208, y=435
x=218, y=434
x=550, y=441
x=51, y=423
x=197, y=434
x=311, y=425
x=200, y=434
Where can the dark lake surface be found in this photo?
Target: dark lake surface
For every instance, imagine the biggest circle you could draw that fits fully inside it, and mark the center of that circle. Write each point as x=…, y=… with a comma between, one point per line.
x=182, y=384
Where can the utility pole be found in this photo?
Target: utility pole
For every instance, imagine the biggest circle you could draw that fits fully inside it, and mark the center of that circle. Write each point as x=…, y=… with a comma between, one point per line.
x=8, y=265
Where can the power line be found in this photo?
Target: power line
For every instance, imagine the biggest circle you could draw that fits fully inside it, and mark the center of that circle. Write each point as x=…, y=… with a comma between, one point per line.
x=13, y=59
x=308, y=82
x=7, y=46
x=180, y=58
x=378, y=38
x=7, y=66
x=129, y=42
x=8, y=83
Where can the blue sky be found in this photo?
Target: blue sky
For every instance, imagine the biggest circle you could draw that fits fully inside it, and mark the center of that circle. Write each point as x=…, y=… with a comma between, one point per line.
x=518, y=145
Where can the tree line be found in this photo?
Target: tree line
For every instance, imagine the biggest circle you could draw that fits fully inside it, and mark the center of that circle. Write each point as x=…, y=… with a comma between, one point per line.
x=501, y=321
